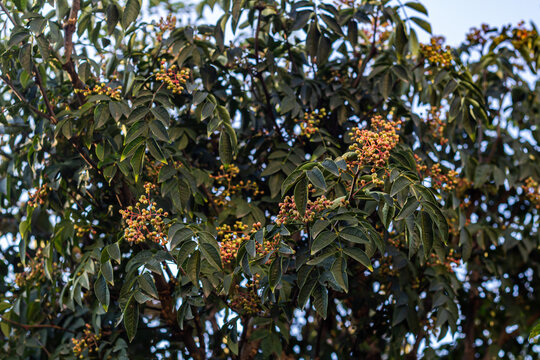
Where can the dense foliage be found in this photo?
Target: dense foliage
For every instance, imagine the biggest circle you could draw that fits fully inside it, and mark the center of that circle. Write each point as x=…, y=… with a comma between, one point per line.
x=301, y=180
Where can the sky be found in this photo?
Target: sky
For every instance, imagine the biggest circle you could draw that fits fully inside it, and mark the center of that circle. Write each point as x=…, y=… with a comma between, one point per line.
x=454, y=18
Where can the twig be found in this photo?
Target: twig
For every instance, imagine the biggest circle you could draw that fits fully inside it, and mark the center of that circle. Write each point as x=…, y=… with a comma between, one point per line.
x=259, y=76
x=6, y=11
x=372, y=52
x=35, y=326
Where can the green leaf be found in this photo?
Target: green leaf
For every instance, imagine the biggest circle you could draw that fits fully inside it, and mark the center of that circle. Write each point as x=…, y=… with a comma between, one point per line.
x=422, y=23
x=159, y=131
x=410, y=206
x=155, y=151
x=25, y=58
x=211, y=254
x=360, y=256
x=306, y=290
x=179, y=237
x=194, y=267
x=102, y=292
x=131, y=147
x=225, y=148
x=137, y=161
x=417, y=6
x=161, y=114
x=354, y=235
x=114, y=252
x=146, y=283
x=316, y=177
x=290, y=181
x=324, y=239
x=331, y=166
x=339, y=272
x=131, y=12
x=113, y=15
x=131, y=318
x=107, y=271
x=320, y=300
x=401, y=183
x=426, y=228
x=274, y=274
x=301, y=195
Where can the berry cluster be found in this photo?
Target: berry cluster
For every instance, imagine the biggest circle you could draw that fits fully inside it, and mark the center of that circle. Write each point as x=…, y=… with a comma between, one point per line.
x=39, y=196
x=231, y=240
x=532, y=191
x=34, y=272
x=82, y=230
x=449, y=263
x=309, y=124
x=439, y=180
x=152, y=168
x=372, y=147
x=246, y=300
x=174, y=78
x=165, y=24
x=523, y=37
x=145, y=220
x=225, y=187
x=102, y=89
x=89, y=342
x=288, y=214
x=436, y=125
x=477, y=36
x=436, y=54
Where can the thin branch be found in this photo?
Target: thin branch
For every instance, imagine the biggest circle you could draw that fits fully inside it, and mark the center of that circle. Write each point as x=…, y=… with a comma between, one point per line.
x=35, y=326
x=259, y=76
x=6, y=11
x=372, y=52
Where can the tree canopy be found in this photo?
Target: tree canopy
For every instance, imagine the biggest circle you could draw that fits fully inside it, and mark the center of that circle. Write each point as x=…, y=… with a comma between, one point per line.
x=301, y=179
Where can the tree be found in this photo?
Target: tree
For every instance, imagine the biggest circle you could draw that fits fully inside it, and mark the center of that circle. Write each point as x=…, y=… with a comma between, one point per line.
x=301, y=180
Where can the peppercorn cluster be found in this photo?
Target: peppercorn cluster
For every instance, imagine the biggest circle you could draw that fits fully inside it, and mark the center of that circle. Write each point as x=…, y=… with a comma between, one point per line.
x=38, y=197
x=226, y=186
x=168, y=23
x=522, y=36
x=34, y=272
x=439, y=180
x=476, y=36
x=231, y=238
x=82, y=230
x=436, y=54
x=174, y=78
x=309, y=124
x=102, y=89
x=288, y=213
x=89, y=341
x=372, y=147
x=246, y=299
x=436, y=124
x=144, y=220
x=532, y=191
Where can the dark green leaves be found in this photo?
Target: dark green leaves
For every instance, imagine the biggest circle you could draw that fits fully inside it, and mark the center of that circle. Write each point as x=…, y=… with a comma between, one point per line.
x=225, y=148
x=274, y=275
x=316, y=177
x=301, y=195
x=131, y=12
x=324, y=239
x=360, y=256
x=131, y=318
x=102, y=292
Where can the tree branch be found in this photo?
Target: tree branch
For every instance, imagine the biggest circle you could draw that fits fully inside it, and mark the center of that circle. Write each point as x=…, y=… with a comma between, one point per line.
x=258, y=75
x=35, y=326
